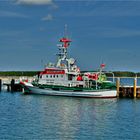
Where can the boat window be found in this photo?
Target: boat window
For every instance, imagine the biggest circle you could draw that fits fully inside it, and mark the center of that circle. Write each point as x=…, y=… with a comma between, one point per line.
x=57, y=76
x=46, y=76
x=40, y=76
x=50, y=76
x=70, y=77
x=54, y=76
x=69, y=85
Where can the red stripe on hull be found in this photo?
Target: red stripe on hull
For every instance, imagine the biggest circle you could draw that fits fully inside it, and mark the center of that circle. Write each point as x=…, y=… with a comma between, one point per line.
x=52, y=71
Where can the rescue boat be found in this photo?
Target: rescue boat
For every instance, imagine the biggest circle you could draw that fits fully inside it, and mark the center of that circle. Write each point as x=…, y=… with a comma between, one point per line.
x=64, y=78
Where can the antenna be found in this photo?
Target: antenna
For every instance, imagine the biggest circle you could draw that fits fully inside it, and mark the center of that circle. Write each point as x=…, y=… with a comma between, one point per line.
x=65, y=40
x=65, y=30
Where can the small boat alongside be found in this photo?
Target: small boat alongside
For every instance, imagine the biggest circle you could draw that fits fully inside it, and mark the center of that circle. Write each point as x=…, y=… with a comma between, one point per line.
x=65, y=79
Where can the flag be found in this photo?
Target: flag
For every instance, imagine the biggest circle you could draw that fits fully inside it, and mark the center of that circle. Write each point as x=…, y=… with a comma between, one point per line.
x=102, y=65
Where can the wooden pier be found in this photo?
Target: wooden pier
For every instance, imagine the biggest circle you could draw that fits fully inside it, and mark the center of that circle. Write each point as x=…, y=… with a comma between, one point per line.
x=12, y=83
x=128, y=91
x=12, y=86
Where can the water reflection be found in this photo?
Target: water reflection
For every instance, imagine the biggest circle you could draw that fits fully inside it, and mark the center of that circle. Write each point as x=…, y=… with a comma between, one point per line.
x=75, y=115
x=60, y=118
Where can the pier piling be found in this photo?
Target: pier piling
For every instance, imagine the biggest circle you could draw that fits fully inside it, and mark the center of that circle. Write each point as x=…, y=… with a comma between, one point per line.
x=135, y=88
x=0, y=84
x=12, y=85
x=8, y=88
x=118, y=86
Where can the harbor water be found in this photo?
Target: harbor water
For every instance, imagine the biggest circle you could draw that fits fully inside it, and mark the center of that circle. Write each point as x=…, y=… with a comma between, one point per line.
x=66, y=118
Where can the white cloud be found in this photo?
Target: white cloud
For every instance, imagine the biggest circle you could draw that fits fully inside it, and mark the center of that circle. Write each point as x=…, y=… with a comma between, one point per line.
x=35, y=2
x=49, y=17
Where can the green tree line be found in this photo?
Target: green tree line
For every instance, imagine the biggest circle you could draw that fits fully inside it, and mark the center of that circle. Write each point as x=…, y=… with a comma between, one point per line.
x=124, y=74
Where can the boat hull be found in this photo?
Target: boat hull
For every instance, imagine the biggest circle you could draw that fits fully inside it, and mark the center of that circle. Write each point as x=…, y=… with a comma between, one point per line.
x=89, y=93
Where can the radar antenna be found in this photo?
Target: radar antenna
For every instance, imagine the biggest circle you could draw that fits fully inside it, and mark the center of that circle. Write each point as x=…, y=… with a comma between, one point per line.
x=66, y=31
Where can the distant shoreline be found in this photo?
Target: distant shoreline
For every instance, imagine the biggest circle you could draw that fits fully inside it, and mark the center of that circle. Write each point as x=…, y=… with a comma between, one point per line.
x=18, y=73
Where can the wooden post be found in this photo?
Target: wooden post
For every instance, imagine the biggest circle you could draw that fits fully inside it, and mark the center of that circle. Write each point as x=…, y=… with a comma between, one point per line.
x=118, y=86
x=12, y=85
x=0, y=84
x=8, y=88
x=135, y=88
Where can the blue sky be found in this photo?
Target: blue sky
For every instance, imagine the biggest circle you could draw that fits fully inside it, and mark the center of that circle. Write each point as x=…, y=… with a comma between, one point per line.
x=101, y=31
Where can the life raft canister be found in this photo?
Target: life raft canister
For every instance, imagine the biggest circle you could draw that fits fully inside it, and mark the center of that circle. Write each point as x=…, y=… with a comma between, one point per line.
x=79, y=78
x=95, y=77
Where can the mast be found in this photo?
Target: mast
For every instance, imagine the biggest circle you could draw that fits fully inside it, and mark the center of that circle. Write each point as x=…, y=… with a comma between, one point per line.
x=62, y=55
